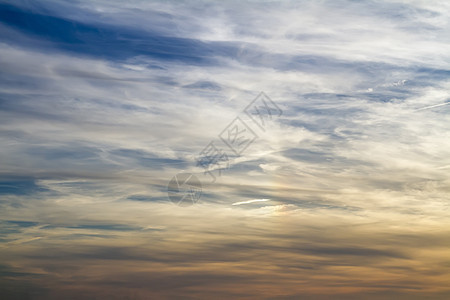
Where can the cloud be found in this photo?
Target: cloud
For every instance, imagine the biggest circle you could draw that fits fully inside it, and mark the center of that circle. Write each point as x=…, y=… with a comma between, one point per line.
x=103, y=102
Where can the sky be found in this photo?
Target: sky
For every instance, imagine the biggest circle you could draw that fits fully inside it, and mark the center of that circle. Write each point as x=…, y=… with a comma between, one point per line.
x=339, y=188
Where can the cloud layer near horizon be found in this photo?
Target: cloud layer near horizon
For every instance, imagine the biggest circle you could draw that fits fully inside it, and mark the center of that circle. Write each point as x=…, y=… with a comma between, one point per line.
x=102, y=102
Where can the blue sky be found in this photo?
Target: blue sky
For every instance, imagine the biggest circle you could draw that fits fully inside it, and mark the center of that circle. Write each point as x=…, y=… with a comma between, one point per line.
x=103, y=102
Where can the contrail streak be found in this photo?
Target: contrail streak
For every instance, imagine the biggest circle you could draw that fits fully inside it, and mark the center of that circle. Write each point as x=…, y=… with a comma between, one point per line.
x=432, y=106
x=250, y=201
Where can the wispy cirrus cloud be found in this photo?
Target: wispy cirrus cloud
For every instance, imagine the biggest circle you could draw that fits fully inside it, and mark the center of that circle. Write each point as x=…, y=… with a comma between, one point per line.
x=102, y=102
